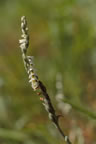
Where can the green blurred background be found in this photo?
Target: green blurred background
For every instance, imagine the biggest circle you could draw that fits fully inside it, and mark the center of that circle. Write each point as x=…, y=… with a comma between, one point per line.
x=63, y=42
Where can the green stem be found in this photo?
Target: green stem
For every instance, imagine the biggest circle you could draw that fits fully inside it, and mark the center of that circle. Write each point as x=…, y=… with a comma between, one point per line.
x=13, y=135
x=81, y=109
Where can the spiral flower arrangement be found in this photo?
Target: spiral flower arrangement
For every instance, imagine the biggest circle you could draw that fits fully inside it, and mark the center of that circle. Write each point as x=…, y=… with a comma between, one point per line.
x=34, y=80
x=28, y=60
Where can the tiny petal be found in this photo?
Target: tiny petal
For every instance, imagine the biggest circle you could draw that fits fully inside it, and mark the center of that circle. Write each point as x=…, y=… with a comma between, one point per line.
x=23, y=46
x=30, y=80
x=22, y=41
x=23, y=18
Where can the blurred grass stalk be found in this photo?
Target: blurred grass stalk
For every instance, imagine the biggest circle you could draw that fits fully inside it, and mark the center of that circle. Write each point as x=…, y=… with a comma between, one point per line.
x=81, y=109
x=13, y=135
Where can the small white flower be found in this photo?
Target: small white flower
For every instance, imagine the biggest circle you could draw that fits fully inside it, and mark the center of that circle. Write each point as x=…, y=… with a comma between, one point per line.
x=22, y=41
x=28, y=60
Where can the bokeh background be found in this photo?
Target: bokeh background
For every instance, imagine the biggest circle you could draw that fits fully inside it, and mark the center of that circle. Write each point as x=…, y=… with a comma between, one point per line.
x=63, y=42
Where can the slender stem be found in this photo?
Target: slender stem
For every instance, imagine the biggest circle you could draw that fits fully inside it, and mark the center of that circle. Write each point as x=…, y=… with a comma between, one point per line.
x=65, y=137
x=51, y=112
x=81, y=109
